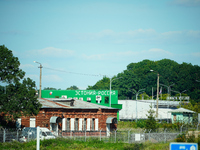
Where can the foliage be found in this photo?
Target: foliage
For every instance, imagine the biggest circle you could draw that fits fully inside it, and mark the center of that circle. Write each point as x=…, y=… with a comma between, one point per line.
x=90, y=144
x=141, y=123
x=151, y=123
x=72, y=88
x=9, y=66
x=181, y=138
x=49, y=88
x=138, y=76
x=18, y=97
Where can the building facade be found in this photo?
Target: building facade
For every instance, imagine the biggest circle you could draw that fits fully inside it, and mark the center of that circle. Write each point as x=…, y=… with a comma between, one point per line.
x=67, y=115
x=100, y=97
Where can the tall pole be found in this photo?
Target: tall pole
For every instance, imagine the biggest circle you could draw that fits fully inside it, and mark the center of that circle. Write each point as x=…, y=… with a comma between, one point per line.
x=40, y=92
x=110, y=87
x=157, y=96
x=110, y=91
x=40, y=81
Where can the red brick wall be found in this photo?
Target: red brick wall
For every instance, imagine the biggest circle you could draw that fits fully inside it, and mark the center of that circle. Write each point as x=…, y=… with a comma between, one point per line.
x=43, y=118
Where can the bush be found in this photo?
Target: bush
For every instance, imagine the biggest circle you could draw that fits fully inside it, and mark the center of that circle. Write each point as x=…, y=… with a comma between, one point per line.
x=191, y=138
x=141, y=123
x=181, y=138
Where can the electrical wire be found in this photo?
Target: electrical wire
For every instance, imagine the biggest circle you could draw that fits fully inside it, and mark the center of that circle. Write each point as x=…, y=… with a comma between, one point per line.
x=73, y=72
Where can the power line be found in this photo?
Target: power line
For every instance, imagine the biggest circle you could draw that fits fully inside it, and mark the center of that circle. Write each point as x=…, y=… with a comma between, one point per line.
x=73, y=72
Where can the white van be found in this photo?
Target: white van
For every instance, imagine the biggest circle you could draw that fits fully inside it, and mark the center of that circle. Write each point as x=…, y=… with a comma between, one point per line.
x=30, y=133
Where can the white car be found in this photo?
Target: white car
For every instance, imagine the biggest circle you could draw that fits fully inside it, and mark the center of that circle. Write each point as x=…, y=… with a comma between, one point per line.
x=30, y=133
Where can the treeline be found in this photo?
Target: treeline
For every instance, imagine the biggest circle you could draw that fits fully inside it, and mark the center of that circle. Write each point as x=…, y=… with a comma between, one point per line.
x=183, y=77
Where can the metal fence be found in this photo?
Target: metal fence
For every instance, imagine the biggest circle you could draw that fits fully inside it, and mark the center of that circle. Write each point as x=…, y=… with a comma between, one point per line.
x=8, y=135
x=135, y=137
x=126, y=136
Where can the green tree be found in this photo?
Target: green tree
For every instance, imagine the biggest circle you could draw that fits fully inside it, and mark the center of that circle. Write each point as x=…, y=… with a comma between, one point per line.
x=19, y=98
x=72, y=88
x=9, y=66
x=49, y=88
x=151, y=123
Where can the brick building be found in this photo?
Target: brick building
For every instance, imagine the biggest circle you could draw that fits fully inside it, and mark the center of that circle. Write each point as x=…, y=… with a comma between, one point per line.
x=69, y=115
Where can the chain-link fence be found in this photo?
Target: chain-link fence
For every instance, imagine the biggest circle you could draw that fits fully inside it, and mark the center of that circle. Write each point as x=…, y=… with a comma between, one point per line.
x=125, y=136
x=8, y=135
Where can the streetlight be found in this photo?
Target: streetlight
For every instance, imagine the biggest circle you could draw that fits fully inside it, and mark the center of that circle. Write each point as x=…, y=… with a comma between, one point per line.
x=110, y=86
x=168, y=87
x=179, y=92
x=40, y=77
x=157, y=93
x=136, y=94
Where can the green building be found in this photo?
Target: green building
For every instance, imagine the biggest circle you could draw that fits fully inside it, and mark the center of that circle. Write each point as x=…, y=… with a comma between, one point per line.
x=101, y=97
x=182, y=115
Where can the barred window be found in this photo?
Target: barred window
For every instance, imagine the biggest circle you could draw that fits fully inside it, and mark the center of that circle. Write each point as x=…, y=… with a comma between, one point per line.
x=68, y=124
x=84, y=124
x=93, y=124
x=76, y=124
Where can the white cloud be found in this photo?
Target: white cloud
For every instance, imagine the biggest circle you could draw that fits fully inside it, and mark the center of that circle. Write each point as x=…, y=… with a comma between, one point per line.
x=186, y=2
x=51, y=52
x=141, y=36
x=52, y=78
x=128, y=55
x=197, y=54
x=25, y=66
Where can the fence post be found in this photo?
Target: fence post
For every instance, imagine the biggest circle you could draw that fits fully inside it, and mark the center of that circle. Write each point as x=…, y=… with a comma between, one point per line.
x=115, y=135
x=128, y=135
x=165, y=135
x=85, y=135
x=17, y=134
x=181, y=128
x=149, y=134
x=100, y=134
x=4, y=135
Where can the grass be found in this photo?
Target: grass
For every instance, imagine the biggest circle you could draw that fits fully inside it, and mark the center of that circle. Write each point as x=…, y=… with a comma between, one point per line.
x=63, y=144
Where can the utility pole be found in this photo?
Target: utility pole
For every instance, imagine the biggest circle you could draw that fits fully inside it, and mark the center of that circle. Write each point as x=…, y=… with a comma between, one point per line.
x=40, y=92
x=157, y=95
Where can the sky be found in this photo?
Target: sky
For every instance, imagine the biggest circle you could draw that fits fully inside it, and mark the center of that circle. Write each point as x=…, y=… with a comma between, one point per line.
x=80, y=41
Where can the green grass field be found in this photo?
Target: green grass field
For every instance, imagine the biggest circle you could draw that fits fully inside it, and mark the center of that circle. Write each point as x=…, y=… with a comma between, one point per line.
x=91, y=144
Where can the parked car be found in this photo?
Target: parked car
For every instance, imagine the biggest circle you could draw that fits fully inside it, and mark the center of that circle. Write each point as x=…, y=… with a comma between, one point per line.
x=30, y=133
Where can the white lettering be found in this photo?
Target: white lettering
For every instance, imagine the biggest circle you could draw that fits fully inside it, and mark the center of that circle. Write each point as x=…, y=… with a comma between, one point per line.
x=77, y=92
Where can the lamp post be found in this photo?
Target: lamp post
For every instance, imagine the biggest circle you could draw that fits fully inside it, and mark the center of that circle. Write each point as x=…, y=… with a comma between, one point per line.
x=157, y=93
x=179, y=93
x=110, y=86
x=136, y=94
x=40, y=77
x=168, y=87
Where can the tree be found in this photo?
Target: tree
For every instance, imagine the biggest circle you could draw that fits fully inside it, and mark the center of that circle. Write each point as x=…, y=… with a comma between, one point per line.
x=19, y=97
x=151, y=123
x=9, y=66
x=49, y=88
x=72, y=88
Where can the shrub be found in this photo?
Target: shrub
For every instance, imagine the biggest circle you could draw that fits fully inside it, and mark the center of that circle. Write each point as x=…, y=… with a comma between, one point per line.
x=181, y=138
x=141, y=123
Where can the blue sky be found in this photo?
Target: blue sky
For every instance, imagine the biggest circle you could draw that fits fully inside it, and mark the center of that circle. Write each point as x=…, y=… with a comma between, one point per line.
x=78, y=41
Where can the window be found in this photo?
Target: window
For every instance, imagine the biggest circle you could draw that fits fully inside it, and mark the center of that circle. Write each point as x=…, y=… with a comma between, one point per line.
x=88, y=99
x=68, y=124
x=106, y=100
x=98, y=99
x=84, y=124
x=32, y=122
x=76, y=124
x=93, y=124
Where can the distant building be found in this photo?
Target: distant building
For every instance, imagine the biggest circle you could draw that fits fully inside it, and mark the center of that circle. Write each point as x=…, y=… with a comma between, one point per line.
x=182, y=115
x=100, y=97
x=133, y=109
x=66, y=115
